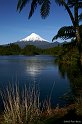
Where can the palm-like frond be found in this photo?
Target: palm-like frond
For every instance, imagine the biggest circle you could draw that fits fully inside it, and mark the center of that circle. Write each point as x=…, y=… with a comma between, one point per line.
x=33, y=7
x=80, y=17
x=65, y=32
x=45, y=8
x=72, y=3
x=40, y=1
x=59, y=2
x=21, y=4
x=80, y=5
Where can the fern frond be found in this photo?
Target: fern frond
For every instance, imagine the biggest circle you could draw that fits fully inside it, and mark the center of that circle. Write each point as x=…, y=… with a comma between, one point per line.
x=45, y=9
x=21, y=4
x=33, y=7
x=65, y=32
x=80, y=5
x=59, y=2
x=80, y=17
x=40, y=1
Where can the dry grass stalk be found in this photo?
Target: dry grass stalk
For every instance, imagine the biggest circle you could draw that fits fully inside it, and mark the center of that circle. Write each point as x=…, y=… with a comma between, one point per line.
x=21, y=109
x=25, y=107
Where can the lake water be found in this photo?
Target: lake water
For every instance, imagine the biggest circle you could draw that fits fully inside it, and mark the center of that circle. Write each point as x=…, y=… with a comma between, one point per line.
x=40, y=69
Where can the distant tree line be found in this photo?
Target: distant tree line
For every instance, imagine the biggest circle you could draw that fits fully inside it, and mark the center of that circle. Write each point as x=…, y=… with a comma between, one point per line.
x=31, y=50
x=66, y=53
x=10, y=49
x=14, y=49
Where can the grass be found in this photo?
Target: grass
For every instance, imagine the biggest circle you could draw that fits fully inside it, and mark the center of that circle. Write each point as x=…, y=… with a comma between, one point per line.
x=21, y=108
x=26, y=108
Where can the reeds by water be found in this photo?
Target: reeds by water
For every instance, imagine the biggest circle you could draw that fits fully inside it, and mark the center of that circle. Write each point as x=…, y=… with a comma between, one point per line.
x=21, y=108
x=25, y=107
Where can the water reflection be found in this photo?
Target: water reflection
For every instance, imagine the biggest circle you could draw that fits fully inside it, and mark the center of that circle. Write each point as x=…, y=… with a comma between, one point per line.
x=74, y=74
x=36, y=65
x=40, y=69
x=34, y=69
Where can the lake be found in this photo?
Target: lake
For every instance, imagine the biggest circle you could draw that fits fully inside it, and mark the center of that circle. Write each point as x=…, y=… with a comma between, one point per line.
x=39, y=69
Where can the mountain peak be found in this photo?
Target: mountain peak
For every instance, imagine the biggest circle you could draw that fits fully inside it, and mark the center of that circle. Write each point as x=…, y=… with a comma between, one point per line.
x=33, y=37
x=33, y=34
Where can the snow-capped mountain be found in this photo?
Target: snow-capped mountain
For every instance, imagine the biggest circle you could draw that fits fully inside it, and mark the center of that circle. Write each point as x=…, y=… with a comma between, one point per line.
x=36, y=40
x=33, y=37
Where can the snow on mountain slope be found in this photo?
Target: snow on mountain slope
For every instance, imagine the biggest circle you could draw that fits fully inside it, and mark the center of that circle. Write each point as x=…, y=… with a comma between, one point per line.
x=33, y=37
x=37, y=41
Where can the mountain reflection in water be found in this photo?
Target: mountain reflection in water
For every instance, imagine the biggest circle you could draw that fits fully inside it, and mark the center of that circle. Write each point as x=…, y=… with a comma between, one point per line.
x=40, y=68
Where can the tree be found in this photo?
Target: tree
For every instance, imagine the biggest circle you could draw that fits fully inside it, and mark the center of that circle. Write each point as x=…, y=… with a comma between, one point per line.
x=67, y=4
x=67, y=32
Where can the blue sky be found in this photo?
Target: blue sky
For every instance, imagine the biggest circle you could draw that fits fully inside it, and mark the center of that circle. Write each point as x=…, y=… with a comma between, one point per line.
x=15, y=26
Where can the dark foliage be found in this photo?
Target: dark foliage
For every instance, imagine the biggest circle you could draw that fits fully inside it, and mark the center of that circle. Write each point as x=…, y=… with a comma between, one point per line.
x=13, y=49
x=10, y=49
x=67, y=32
x=30, y=50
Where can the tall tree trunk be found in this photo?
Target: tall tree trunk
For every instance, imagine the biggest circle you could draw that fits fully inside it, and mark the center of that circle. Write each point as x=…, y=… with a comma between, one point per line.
x=77, y=29
x=78, y=38
x=69, y=12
